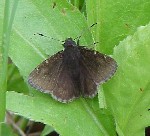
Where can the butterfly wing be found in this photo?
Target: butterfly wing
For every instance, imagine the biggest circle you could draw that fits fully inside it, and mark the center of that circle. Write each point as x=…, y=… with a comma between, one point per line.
x=66, y=90
x=88, y=86
x=52, y=77
x=96, y=68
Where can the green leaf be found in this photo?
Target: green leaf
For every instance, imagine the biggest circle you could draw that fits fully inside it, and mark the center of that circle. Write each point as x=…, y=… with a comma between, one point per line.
x=116, y=20
x=129, y=94
x=74, y=118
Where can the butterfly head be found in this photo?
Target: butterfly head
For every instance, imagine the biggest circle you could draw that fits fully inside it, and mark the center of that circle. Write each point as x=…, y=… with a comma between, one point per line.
x=69, y=42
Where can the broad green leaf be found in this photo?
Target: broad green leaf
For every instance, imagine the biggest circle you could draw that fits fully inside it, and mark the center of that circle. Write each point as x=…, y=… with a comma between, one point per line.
x=81, y=117
x=129, y=94
x=116, y=20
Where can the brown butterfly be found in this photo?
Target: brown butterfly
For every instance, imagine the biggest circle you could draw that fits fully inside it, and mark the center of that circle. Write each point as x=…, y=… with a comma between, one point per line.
x=74, y=72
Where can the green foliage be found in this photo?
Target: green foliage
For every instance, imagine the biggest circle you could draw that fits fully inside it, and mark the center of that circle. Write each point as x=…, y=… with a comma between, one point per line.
x=130, y=88
x=4, y=49
x=6, y=130
x=16, y=82
x=116, y=20
x=125, y=98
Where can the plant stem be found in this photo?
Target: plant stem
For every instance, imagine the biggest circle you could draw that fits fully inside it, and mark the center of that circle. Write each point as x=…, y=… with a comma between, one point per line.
x=7, y=26
x=3, y=62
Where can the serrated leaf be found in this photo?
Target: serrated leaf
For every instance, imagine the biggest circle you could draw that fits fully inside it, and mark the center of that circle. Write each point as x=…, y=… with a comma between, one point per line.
x=116, y=20
x=129, y=94
x=67, y=119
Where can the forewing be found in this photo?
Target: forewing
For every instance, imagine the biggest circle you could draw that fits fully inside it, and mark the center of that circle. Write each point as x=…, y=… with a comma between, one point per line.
x=52, y=76
x=97, y=68
x=45, y=76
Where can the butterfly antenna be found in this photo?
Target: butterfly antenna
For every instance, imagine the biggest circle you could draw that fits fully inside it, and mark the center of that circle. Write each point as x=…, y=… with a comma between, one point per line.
x=49, y=37
x=84, y=31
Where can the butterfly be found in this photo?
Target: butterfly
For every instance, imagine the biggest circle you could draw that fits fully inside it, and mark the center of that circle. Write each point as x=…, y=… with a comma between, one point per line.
x=73, y=72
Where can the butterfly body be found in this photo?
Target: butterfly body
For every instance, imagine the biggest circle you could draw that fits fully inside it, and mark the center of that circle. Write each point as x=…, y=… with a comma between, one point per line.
x=71, y=59
x=74, y=72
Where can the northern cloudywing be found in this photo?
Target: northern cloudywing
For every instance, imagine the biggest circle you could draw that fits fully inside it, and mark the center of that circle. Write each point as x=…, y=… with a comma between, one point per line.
x=74, y=72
